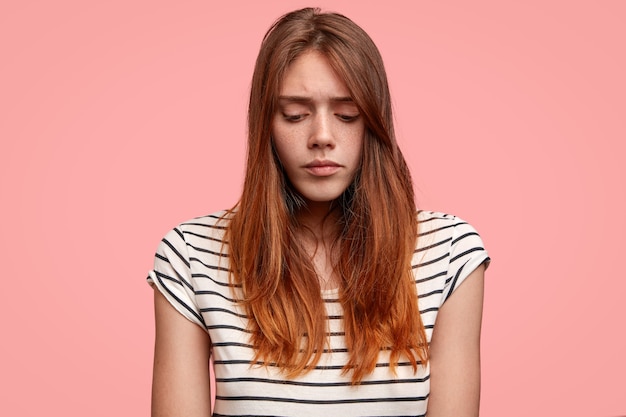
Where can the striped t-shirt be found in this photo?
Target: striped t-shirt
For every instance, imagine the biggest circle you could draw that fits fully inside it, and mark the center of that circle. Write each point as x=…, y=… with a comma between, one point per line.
x=191, y=270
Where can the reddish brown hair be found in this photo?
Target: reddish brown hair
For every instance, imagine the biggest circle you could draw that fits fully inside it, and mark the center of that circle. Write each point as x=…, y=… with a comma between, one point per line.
x=378, y=225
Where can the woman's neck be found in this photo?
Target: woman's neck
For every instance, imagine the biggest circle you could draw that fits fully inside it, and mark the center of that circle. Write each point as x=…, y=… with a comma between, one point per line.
x=319, y=219
x=317, y=236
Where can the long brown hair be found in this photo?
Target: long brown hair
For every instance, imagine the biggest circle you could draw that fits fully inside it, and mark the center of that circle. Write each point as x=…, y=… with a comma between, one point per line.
x=378, y=226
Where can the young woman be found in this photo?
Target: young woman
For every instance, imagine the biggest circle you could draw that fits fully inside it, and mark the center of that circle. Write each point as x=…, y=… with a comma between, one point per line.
x=323, y=291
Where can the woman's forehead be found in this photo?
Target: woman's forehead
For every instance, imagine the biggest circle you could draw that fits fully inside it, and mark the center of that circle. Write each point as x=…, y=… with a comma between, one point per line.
x=311, y=75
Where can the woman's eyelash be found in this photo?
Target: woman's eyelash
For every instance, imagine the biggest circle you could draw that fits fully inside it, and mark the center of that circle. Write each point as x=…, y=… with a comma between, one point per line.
x=292, y=117
x=347, y=118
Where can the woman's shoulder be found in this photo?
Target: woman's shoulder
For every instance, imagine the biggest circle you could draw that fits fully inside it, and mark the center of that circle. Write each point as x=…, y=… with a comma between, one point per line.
x=199, y=232
x=442, y=229
x=218, y=221
x=448, y=250
x=438, y=222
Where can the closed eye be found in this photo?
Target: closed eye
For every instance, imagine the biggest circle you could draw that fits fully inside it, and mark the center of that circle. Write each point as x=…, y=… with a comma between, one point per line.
x=293, y=117
x=347, y=118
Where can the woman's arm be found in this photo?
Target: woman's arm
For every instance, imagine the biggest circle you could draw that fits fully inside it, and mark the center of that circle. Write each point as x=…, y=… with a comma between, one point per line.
x=180, y=382
x=455, y=352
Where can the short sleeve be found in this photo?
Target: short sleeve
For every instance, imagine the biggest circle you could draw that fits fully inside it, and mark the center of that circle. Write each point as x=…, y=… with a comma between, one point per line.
x=172, y=276
x=467, y=252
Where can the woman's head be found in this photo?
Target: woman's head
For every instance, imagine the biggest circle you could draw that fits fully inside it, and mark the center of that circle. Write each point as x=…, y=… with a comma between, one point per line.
x=317, y=132
x=353, y=57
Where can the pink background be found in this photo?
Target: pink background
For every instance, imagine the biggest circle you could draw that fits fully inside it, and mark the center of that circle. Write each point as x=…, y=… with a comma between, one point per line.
x=120, y=119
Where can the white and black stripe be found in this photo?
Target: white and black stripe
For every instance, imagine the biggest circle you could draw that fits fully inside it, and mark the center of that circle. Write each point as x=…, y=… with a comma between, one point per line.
x=191, y=270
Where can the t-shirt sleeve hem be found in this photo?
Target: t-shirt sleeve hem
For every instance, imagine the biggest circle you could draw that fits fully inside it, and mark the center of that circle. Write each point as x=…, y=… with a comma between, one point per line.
x=466, y=254
x=177, y=302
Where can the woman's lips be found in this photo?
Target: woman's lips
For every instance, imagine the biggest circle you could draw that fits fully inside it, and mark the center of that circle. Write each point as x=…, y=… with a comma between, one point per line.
x=322, y=168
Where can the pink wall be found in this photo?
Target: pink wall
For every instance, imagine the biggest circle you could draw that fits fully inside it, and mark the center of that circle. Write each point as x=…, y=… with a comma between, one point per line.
x=120, y=119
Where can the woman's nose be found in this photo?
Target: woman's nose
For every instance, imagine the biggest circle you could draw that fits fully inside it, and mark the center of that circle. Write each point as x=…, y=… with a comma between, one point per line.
x=322, y=132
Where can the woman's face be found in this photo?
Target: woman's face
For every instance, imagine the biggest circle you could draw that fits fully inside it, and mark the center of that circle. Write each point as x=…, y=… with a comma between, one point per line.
x=317, y=129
